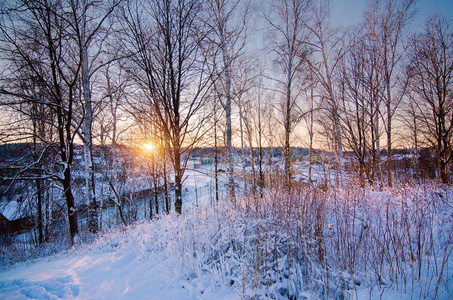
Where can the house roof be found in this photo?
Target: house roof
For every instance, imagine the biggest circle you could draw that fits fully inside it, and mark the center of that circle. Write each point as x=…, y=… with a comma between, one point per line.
x=12, y=210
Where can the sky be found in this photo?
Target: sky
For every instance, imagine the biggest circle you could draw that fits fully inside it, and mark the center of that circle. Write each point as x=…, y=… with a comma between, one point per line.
x=348, y=12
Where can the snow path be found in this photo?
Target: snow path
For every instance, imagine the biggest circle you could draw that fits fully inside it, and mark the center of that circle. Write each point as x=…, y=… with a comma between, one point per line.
x=131, y=265
x=118, y=275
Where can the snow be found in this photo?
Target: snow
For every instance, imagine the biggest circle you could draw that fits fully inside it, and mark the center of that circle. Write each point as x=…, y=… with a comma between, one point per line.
x=141, y=262
x=121, y=265
x=259, y=249
x=117, y=275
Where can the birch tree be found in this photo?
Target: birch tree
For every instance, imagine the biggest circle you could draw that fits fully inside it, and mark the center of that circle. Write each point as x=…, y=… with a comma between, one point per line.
x=289, y=45
x=354, y=105
x=227, y=24
x=90, y=32
x=111, y=126
x=386, y=21
x=361, y=87
x=327, y=50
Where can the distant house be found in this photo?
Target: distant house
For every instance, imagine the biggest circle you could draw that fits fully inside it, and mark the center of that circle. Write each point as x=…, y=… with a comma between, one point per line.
x=12, y=221
x=206, y=161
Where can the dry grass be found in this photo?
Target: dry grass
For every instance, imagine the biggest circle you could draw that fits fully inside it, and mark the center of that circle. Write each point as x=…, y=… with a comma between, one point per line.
x=330, y=243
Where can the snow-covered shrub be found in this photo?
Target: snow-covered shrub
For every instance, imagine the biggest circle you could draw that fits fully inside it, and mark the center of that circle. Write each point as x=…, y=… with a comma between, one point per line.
x=328, y=244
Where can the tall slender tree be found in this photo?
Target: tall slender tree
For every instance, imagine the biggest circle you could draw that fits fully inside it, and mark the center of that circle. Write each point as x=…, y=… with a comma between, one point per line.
x=90, y=30
x=385, y=22
x=289, y=45
x=226, y=21
x=327, y=49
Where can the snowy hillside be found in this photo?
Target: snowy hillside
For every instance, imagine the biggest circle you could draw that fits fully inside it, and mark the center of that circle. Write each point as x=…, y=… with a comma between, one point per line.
x=138, y=263
x=319, y=245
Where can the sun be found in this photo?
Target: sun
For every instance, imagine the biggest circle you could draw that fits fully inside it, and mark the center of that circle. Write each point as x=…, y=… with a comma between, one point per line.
x=148, y=147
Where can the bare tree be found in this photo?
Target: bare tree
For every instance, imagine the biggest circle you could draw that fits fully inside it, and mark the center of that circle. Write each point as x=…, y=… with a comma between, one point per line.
x=431, y=80
x=361, y=87
x=259, y=136
x=227, y=23
x=90, y=33
x=354, y=106
x=290, y=48
x=327, y=50
x=215, y=121
x=242, y=87
x=163, y=39
x=34, y=38
x=412, y=119
x=310, y=122
x=111, y=126
x=386, y=20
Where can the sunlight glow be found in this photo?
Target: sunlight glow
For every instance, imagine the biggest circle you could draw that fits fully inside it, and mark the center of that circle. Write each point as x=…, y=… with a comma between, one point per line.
x=148, y=147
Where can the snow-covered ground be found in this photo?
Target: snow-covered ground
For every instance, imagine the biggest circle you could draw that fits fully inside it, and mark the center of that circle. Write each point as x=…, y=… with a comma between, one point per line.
x=376, y=245
x=134, y=264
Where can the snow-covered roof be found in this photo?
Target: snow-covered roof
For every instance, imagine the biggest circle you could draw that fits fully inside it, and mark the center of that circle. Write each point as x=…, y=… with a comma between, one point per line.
x=12, y=210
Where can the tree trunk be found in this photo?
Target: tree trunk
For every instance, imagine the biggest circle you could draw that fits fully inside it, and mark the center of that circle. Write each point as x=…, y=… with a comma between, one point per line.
x=178, y=183
x=260, y=150
x=156, y=187
x=216, y=161
x=39, y=197
x=241, y=129
x=287, y=150
x=310, y=134
x=167, y=202
x=339, y=147
x=252, y=162
x=70, y=204
x=229, y=128
x=87, y=132
x=389, y=136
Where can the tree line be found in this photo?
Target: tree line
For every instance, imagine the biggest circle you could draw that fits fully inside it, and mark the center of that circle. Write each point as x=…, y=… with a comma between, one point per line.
x=186, y=73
